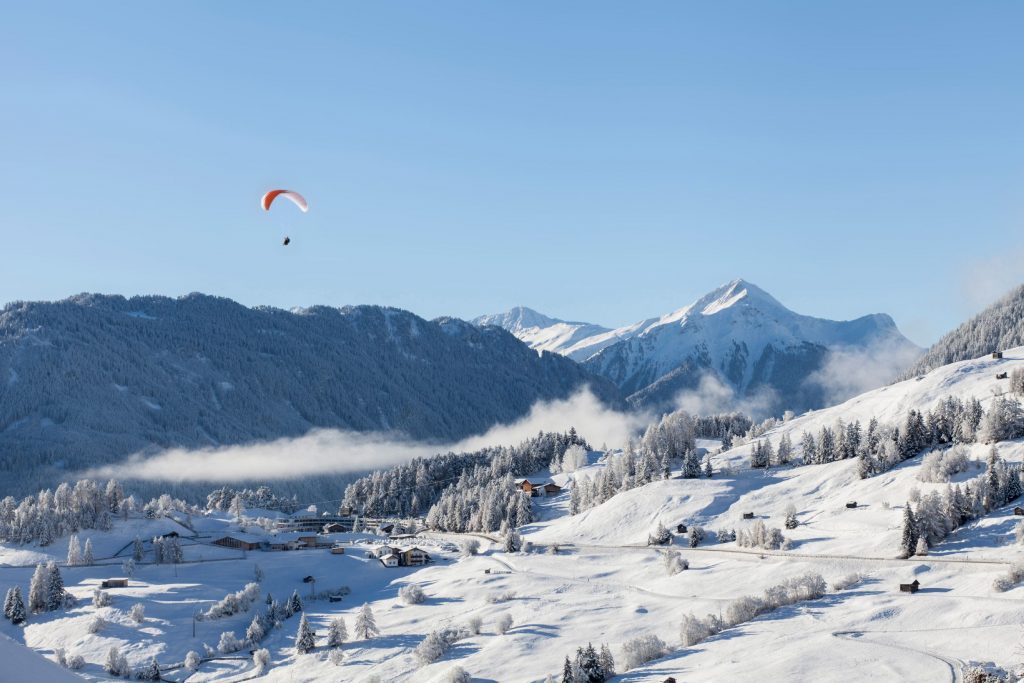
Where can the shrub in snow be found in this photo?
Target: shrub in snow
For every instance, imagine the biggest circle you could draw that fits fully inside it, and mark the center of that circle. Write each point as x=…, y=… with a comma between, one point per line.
x=149, y=672
x=791, y=522
x=938, y=466
x=192, y=660
x=412, y=594
x=848, y=581
x=138, y=613
x=233, y=603
x=553, y=549
x=470, y=547
x=75, y=662
x=495, y=598
x=128, y=567
x=674, y=562
x=229, y=642
x=694, y=630
x=696, y=536
x=116, y=663
x=922, y=546
x=642, y=649
x=261, y=659
x=60, y=656
x=504, y=623
x=437, y=643
x=660, y=536
x=986, y=673
x=256, y=631
x=760, y=536
x=456, y=675
x=336, y=657
x=474, y=624
x=1013, y=576
x=96, y=624
x=725, y=535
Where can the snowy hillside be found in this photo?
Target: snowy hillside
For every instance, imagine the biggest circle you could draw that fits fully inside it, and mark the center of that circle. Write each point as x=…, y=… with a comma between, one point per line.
x=738, y=334
x=591, y=577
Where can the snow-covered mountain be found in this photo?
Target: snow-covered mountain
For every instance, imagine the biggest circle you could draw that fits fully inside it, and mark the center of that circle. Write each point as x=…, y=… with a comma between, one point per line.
x=94, y=378
x=737, y=334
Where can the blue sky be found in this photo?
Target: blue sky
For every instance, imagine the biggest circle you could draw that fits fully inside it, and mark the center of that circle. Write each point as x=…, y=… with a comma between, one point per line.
x=596, y=161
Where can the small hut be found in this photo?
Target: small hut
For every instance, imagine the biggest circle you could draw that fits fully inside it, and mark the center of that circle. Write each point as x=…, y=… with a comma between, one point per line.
x=851, y=504
x=997, y=355
x=1019, y=512
x=114, y=583
x=911, y=587
x=680, y=528
x=1001, y=375
x=748, y=515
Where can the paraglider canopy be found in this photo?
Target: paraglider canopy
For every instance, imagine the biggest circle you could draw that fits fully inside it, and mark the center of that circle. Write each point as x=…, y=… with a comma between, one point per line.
x=295, y=197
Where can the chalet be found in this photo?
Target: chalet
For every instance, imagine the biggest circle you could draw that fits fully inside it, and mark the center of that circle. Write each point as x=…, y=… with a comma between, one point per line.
x=1001, y=375
x=239, y=541
x=313, y=541
x=851, y=504
x=413, y=557
x=335, y=528
x=389, y=560
x=287, y=541
x=996, y=355
x=386, y=529
x=910, y=587
x=680, y=528
x=748, y=515
x=114, y=583
x=337, y=550
x=527, y=486
x=1018, y=511
x=551, y=489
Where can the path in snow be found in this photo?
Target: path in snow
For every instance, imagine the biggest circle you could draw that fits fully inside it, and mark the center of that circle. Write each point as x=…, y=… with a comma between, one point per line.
x=955, y=666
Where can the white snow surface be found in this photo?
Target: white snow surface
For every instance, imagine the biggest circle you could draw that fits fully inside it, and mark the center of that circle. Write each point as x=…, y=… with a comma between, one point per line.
x=604, y=585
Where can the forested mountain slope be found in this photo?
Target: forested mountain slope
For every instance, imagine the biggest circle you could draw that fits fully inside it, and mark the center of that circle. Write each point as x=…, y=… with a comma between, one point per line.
x=1000, y=326
x=93, y=378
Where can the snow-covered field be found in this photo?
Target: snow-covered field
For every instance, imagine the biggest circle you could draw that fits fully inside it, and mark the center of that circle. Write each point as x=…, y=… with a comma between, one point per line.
x=604, y=585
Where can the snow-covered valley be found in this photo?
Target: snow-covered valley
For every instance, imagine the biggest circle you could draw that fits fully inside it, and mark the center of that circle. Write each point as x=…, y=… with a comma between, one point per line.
x=591, y=577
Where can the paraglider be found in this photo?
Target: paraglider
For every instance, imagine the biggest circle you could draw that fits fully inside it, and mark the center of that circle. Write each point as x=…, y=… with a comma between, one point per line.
x=297, y=199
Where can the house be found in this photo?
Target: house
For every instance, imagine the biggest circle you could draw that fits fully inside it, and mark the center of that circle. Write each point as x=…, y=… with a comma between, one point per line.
x=287, y=541
x=551, y=489
x=335, y=528
x=748, y=515
x=1018, y=511
x=851, y=504
x=680, y=528
x=239, y=541
x=337, y=550
x=386, y=529
x=389, y=560
x=527, y=486
x=412, y=557
x=114, y=583
x=996, y=355
x=910, y=587
x=1001, y=375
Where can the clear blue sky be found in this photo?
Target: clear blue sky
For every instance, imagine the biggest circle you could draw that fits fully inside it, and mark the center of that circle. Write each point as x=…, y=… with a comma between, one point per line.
x=596, y=161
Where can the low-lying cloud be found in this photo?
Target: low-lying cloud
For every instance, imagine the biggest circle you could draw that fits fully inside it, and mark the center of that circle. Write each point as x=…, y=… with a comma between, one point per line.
x=712, y=397
x=331, y=451
x=849, y=372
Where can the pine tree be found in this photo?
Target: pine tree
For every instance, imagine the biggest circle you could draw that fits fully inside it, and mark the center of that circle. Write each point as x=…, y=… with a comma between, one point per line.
x=365, y=626
x=607, y=661
x=567, y=673
x=708, y=472
x=908, y=541
x=8, y=603
x=17, y=614
x=138, y=550
x=337, y=633
x=55, y=587
x=305, y=641
x=87, y=557
x=254, y=634
x=37, y=590
x=74, y=552
x=295, y=602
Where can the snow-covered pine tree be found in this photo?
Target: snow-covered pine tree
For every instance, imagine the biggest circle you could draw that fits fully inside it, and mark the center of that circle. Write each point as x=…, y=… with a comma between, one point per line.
x=87, y=556
x=908, y=539
x=74, y=551
x=138, y=550
x=254, y=634
x=37, y=589
x=365, y=626
x=305, y=641
x=54, y=587
x=295, y=602
x=17, y=613
x=337, y=633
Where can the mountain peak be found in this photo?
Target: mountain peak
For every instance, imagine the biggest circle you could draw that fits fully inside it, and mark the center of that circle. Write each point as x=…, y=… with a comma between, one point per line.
x=516, y=318
x=732, y=293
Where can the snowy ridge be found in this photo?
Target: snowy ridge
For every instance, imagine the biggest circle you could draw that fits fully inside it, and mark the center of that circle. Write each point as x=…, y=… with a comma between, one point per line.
x=737, y=333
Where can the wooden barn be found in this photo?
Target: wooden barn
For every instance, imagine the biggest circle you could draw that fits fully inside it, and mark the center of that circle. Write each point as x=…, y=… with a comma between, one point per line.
x=851, y=504
x=911, y=587
x=114, y=583
x=996, y=355
x=1018, y=511
x=1001, y=375
x=239, y=541
x=748, y=515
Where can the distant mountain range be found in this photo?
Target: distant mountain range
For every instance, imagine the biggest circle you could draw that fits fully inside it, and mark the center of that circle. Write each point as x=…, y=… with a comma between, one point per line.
x=94, y=378
x=998, y=327
x=737, y=334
